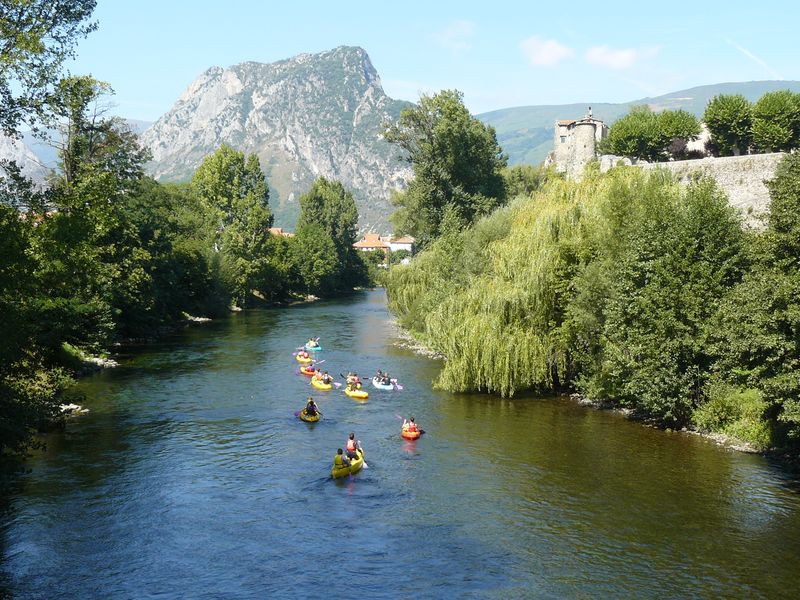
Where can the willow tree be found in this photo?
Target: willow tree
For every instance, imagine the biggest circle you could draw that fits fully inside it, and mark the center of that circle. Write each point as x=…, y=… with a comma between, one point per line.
x=457, y=165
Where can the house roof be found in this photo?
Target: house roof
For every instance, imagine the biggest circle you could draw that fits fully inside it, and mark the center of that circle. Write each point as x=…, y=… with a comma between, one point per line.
x=371, y=240
x=406, y=239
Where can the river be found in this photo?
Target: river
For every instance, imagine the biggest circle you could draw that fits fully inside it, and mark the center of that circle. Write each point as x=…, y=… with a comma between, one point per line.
x=191, y=477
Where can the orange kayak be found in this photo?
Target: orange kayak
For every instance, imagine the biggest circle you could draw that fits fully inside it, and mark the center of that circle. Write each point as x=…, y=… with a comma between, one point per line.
x=410, y=435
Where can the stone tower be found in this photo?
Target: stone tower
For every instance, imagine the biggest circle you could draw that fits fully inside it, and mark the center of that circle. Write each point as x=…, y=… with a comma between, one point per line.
x=575, y=144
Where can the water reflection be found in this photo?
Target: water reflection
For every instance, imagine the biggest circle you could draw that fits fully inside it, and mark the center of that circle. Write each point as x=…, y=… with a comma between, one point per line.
x=192, y=477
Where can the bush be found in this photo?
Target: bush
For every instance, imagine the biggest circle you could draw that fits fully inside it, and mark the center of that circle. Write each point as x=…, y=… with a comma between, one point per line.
x=739, y=413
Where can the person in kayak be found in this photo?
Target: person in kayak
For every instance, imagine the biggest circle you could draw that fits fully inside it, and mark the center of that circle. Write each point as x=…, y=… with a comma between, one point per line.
x=303, y=353
x=311, y=407
x=340, y=460
x=312, y=343
x=351, y=385
x=386, y=380
x=326, y=379
x=410, y=425
x=351, y=446
x=356, y=380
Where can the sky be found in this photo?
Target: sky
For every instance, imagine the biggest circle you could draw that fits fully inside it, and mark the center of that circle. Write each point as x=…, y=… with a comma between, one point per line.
x=499, y=54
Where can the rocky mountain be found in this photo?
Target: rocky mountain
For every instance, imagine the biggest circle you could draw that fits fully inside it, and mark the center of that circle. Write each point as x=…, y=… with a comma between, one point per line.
x=29, y=163
x=526, y=132
x=310, y=115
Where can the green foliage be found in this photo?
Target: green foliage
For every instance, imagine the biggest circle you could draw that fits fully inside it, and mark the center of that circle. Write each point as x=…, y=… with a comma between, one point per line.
x=233, y=192
x=651, y=136
x=38, y=36
x=602, y=285
x=523, y=180
x=327, y=222
x=737, y=413
x=729, y=120
x=755, y=340
x=776, y=121
x=457, y=167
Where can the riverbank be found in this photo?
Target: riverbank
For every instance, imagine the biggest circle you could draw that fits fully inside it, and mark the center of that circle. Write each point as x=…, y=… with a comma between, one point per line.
x=408, y=341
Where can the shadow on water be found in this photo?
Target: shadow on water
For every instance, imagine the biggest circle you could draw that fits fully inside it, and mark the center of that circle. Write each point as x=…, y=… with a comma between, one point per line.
x=191, y=476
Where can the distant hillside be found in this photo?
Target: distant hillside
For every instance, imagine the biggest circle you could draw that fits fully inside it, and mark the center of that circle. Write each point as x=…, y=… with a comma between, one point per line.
x=307, y=116
x=526, y=132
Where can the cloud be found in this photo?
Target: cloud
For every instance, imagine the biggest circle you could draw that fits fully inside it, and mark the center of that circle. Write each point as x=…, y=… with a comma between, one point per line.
x=755, y=59
x=456, y=36
x=623, y=58
x=544, y=53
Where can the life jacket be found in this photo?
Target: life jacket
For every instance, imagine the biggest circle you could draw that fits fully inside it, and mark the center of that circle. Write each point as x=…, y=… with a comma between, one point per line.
x=411, y=426
x=337, y=461
x=351, y=445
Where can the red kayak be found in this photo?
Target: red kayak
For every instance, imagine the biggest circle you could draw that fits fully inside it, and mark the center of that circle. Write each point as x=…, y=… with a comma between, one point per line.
x=308, y=371
x=410, y=435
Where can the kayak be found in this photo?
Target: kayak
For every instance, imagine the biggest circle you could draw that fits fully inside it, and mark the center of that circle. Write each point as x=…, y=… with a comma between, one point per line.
x=303, y=416
x=312, y=348
x=357, y=393
x=303, y=360
x=321, y=386
x=354, y=467
x=382, y=386
x=410, y=435
x=308, y=371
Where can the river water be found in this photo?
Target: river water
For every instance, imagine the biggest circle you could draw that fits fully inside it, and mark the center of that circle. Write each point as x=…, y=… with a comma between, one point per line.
x=192, y=478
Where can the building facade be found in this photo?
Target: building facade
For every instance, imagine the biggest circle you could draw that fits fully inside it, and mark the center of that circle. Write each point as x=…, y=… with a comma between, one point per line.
x=575, y=143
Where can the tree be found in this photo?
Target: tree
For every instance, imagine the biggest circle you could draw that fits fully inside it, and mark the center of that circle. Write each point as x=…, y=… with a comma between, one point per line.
x=329, y=212
x=651, y=136
x=776, y=121
x=730, y=121
x=36, y=37
x=523, y=180
x=235, y=193
x=457, y=165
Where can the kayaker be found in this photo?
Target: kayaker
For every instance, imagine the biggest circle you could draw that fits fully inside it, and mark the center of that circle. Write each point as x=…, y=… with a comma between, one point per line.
x=304, y=354
x=351, y=446
x=311, y=407
x=410, y=425
x=340, y=460
x=351, y=386
x=386, y=380
x=356, y=380
x=312, y=343
x=326, y=378
x=349, y=378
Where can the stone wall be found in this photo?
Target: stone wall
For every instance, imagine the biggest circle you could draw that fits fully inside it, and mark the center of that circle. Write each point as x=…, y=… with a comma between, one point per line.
x=742, y=177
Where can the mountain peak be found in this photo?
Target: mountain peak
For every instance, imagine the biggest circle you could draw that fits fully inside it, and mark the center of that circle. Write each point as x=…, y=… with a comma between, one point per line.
x=306, y=116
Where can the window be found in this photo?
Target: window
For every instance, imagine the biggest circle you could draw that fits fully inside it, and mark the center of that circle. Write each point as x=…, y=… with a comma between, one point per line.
x=563, y=139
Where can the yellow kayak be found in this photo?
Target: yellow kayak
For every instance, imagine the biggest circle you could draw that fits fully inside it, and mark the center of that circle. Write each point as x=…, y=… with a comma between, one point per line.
x=321, y=386
x=359, y=394
x=354, y=467
x=304, y=416
x=305, y=361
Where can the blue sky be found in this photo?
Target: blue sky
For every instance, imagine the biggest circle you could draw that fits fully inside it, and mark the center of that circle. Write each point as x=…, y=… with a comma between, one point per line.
x=499, y=53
